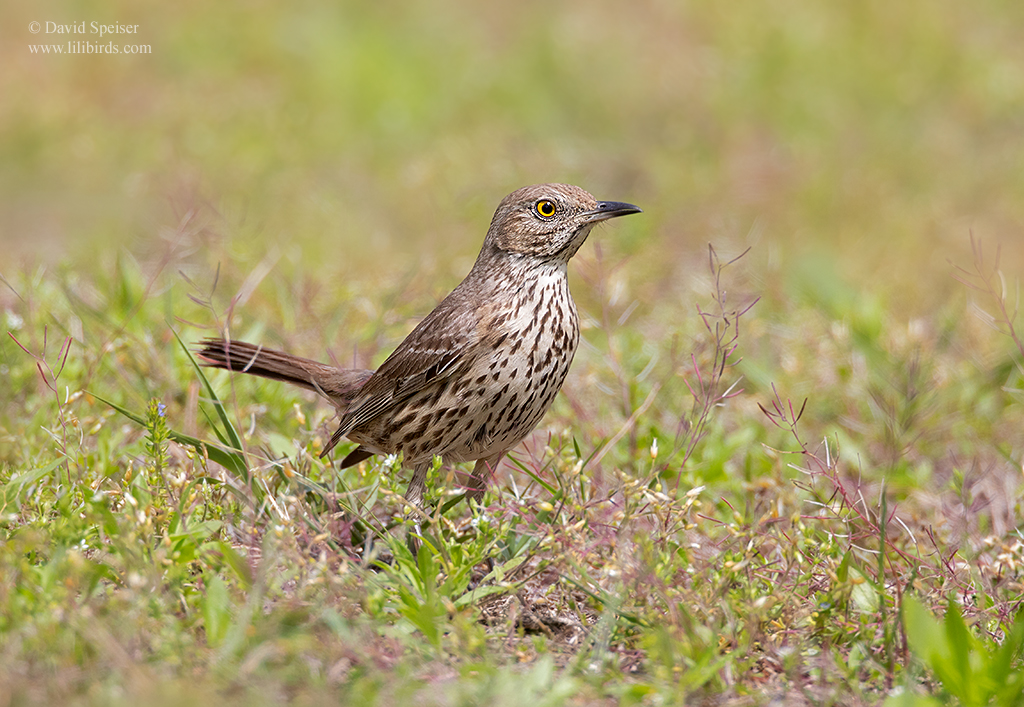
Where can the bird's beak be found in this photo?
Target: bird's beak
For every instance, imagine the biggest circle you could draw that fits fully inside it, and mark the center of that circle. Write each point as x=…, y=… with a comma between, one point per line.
x=610, y=209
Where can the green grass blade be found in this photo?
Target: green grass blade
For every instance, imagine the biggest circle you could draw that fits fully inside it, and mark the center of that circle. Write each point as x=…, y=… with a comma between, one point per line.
x=13, y=488
x=233, y=439
x=229, y=459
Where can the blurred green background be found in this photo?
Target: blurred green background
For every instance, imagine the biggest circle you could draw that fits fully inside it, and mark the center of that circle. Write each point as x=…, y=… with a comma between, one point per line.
x=317, y=175
x=857, y=142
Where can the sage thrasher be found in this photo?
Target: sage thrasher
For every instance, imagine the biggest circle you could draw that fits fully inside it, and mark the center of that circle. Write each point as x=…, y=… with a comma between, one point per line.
x=478, y=373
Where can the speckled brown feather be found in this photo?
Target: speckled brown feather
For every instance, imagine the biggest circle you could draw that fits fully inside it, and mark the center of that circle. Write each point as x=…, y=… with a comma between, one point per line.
x=475, y=376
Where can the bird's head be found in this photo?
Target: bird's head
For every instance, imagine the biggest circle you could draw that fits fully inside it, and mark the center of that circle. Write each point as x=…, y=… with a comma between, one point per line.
x=549, y=221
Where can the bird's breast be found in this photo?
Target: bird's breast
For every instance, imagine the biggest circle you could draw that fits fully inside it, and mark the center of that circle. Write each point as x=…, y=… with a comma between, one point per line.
x=526, y=338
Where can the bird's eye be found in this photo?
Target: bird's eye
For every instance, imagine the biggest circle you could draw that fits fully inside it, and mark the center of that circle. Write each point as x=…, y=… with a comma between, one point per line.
x=545, y=208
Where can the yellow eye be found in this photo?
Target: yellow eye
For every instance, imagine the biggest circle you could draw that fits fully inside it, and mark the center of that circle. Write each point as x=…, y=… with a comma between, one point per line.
x=545, y=208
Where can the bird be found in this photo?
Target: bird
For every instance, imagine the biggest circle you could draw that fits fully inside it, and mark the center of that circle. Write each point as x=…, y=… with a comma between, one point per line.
x=476, y=375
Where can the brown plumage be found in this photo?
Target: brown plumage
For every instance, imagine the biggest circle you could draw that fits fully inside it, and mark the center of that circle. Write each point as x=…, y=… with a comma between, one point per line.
x=476, y=374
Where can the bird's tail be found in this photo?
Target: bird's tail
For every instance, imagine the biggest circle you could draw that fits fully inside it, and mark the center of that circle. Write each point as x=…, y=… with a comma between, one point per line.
x=339, y=385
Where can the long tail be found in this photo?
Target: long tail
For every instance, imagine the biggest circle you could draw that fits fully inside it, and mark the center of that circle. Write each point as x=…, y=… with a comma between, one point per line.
x=339, y=385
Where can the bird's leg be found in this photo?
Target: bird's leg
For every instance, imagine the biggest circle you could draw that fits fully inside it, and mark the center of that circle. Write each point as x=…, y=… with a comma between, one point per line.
x=417, y=488
x=478, y=479
x=482, y=471
x=414, y=494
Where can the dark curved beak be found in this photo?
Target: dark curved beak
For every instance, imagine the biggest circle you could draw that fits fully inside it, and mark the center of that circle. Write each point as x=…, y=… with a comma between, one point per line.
x=611, y=209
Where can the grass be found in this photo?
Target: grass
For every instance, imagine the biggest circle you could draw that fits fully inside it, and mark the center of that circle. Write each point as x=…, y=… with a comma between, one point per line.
x=786, y=475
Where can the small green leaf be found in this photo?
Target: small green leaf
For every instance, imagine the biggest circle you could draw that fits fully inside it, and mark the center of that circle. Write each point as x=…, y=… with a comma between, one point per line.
x=13, y=488
x=843, y=571
x=956, y=674
x=236, y=562
x=216, y=611
x=923, y=632
x=863, y=594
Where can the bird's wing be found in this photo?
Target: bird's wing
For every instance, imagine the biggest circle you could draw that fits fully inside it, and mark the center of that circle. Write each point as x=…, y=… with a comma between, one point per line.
x=411, y=369
x=431, y=352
